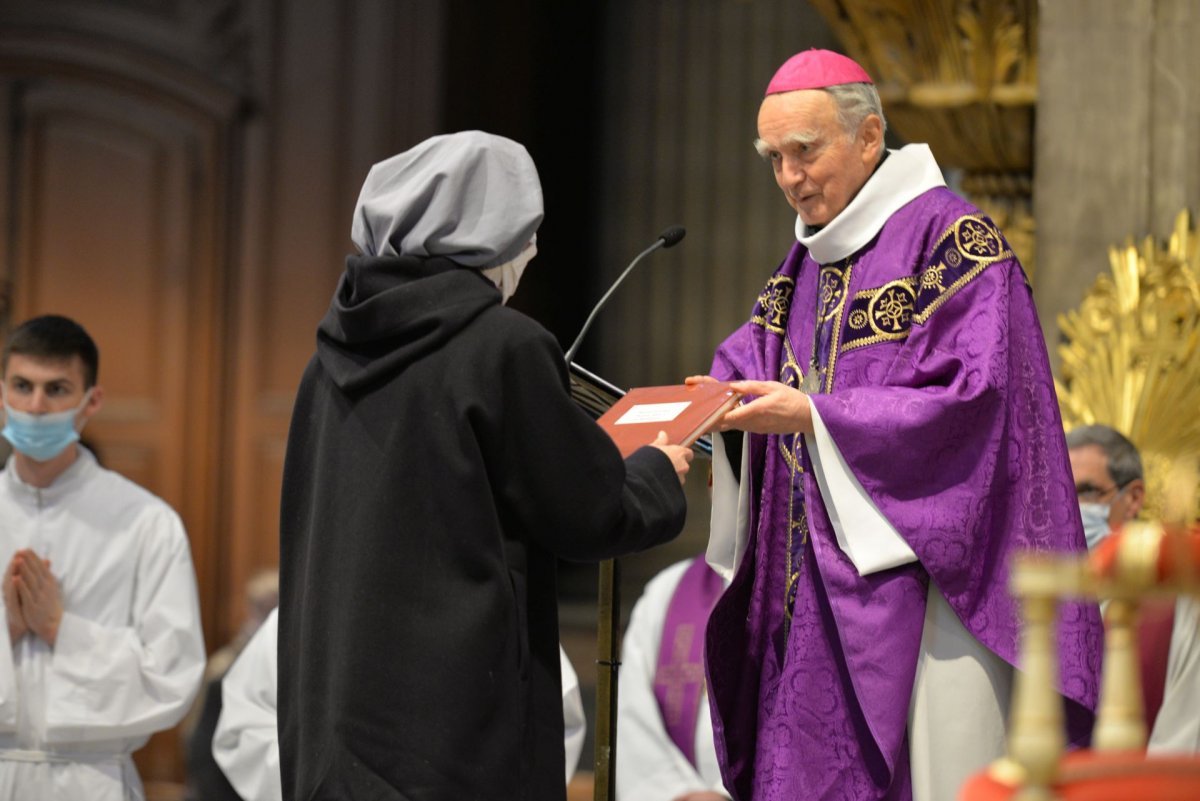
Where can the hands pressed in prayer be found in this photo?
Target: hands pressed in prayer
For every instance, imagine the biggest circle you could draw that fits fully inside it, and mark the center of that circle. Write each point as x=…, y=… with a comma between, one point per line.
x=17, y=627
x=702, y=795
x=39, y=595
x=767, y=407
x=679, y=455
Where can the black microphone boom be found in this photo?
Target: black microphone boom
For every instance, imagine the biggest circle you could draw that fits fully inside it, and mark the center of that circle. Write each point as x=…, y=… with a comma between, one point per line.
x=671, y=236
x=668, y=238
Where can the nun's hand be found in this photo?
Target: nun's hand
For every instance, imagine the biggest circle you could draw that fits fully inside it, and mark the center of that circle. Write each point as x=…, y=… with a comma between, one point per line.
x=680, y=456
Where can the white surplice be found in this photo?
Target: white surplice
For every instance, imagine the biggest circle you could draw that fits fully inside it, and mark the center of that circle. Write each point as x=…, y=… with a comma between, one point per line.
x=1177, y=726
x=246, y=740
x=129, y=656
x=574, y=723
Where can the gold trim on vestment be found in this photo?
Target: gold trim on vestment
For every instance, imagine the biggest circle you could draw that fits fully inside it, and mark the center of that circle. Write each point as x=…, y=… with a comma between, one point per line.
x=836, y=340
x=984, y=245
x=775, y=300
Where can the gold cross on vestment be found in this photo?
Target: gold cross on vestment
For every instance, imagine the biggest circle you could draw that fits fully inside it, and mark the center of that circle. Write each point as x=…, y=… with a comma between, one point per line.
x=811, y=385
x=680, y=673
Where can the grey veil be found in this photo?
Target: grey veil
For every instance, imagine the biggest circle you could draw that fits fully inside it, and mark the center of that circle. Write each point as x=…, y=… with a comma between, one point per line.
x=471, y=197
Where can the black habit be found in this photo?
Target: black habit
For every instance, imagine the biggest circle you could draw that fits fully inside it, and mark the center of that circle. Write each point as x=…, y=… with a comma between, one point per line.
x=436, y=469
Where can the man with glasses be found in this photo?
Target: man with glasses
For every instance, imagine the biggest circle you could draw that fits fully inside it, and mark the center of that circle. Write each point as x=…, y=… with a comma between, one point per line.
x=1108, y=480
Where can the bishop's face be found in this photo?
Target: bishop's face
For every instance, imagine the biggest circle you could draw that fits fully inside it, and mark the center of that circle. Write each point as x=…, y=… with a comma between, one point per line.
x=819, y=167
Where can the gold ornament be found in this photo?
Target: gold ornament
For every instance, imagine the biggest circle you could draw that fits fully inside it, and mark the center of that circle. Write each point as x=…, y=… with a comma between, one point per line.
x=960, y=75
x=1131, y=358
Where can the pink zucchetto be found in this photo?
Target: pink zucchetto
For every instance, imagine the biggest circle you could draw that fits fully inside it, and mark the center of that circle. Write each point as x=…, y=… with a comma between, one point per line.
x=816, y=69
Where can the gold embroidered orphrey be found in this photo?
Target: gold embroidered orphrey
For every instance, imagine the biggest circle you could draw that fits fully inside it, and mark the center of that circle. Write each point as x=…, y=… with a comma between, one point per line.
x=976, y=241
x=831, y=292
x=789, y=447
x=832, y=284
x=774, y=302
x=886, y=313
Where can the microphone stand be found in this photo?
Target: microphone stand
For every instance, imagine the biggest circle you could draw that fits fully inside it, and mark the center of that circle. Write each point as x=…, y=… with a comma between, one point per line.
x=608, y=644
x=608, y=633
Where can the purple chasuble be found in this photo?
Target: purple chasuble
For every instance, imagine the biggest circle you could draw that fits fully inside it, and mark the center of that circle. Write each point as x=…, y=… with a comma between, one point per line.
x=679, y=677
x=925, y=359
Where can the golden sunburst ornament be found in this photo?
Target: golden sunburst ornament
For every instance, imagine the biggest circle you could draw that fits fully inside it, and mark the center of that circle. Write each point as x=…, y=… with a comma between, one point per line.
x=1131, y=358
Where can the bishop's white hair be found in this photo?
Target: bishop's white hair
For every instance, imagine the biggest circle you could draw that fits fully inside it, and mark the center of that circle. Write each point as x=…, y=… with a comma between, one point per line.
x=855, y=102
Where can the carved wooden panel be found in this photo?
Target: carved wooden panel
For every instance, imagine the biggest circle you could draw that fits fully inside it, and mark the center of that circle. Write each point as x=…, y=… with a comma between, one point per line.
x=115, y=197
x=116, y=229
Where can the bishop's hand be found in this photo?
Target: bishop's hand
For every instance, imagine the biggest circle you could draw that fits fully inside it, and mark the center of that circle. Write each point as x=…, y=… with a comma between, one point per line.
x=769, y=407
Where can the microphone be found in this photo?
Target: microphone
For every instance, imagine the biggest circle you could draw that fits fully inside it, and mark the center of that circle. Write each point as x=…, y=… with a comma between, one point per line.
x=669, y=237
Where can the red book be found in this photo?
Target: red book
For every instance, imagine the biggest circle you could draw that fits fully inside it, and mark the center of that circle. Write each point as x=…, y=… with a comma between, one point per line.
x=684, y=412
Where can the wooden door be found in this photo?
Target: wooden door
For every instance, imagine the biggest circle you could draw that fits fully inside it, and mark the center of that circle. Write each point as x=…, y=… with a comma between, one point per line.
x=115, y=200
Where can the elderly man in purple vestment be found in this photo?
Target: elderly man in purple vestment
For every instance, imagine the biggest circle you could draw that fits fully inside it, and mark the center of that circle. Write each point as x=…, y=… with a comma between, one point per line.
x=902, y=442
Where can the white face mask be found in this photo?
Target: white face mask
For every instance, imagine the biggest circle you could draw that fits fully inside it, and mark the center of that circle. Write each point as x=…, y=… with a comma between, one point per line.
x=508, y=275
x=1095, y=522
x=41, y=437
x=1095, y=518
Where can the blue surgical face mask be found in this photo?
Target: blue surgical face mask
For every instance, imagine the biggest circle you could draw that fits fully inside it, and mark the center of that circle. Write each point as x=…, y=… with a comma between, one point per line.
x=41, y=437
x=1095, y=522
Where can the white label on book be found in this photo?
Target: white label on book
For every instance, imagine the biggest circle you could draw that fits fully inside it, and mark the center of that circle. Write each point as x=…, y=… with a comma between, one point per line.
x=652, y=413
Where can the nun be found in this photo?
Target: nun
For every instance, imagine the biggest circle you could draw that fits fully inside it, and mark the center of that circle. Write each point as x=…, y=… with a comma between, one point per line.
x=436, y=470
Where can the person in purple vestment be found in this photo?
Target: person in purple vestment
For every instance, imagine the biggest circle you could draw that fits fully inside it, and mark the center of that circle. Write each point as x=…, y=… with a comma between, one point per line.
x=664, y=736
x=902, y=442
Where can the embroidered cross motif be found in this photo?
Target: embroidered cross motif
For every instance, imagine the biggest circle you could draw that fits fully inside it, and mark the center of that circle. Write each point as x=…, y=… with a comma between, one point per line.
x=892, y=309
x=977, y=239
x=932, y=277
x=680, y=673
x=831, y=291
x=771, y=310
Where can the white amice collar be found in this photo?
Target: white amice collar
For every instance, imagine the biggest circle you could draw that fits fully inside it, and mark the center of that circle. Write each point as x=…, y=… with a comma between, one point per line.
x=904, y=175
